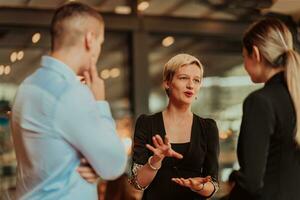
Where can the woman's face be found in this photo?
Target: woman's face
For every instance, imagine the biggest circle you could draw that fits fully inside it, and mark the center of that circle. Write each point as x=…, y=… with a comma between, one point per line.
x=185, y=84
x=253, y=67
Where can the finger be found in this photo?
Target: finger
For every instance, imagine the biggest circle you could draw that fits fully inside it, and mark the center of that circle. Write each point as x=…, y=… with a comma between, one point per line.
x=208, y=178
x=155, y=142
x=186, y=182
x=178, y=181
x=83, y=161
x=176, y=155
x=94, y=72
x=86, y=175
x=87, y=78
x=151, y=148
x=159, y=140
x=92, y=180
x=83, y=169
x=201, y=180
x=81, y=79
x=191, y=183
x=167, y=142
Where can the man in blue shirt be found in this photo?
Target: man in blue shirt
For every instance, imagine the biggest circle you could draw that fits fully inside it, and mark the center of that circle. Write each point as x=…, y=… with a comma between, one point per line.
x=57, y=120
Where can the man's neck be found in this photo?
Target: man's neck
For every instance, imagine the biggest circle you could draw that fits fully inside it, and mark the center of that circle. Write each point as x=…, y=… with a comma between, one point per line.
x=68, y=58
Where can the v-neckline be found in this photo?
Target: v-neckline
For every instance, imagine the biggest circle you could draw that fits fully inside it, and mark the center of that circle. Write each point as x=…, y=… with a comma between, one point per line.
x=192, y=138
x=192, y=128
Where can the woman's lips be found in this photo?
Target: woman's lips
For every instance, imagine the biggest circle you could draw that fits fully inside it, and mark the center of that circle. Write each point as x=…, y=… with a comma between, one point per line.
x=189, y=94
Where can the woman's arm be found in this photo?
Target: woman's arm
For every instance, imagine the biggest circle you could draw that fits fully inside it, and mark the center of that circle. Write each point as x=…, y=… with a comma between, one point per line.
x=257, y=127
x=145, y=167
x=211, y=164
x=162, y=148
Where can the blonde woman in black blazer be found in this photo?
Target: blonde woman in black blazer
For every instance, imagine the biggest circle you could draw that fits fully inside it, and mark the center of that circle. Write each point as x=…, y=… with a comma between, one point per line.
x=268, y=145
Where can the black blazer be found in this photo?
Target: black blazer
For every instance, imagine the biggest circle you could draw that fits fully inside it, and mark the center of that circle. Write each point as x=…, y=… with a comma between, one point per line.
x=267, y=152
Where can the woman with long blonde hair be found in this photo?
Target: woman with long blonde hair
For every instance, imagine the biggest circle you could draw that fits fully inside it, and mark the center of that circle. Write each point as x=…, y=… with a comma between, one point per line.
x=269, y=141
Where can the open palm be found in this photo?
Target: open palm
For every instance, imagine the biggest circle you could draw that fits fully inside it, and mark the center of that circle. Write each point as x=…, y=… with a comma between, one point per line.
x=192, y=183
x=162, y=148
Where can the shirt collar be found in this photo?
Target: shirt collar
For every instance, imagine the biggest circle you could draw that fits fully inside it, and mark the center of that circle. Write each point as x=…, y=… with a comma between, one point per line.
x=59, y=67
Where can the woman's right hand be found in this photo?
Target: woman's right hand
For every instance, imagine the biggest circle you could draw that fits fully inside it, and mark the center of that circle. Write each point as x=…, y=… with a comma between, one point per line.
x=162, y=148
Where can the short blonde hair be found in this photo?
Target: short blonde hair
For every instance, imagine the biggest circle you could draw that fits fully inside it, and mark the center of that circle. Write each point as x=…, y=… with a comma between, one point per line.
x=178, y=61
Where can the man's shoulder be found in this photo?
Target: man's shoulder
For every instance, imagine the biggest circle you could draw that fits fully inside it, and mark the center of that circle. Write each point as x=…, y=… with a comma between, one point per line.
x=51, y=83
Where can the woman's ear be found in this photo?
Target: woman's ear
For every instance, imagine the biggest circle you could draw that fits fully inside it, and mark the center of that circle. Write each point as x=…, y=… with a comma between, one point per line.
x=166, y=85
x=256, y=54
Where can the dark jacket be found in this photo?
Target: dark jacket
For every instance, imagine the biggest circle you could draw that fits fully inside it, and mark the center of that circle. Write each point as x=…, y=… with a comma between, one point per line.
x=267, y=152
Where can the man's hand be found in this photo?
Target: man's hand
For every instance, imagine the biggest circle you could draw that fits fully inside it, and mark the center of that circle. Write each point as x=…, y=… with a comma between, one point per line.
x=87, y=172
x=95, y=83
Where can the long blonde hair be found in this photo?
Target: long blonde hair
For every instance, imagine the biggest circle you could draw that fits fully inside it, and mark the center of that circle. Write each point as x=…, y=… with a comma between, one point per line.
x=275, y=42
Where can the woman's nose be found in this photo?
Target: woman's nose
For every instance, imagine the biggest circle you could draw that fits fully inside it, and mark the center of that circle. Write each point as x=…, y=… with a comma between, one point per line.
x=190, y=84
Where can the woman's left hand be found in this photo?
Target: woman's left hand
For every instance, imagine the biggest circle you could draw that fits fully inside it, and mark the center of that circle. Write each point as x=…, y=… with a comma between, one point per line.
x=86, y=171
x=195, y=184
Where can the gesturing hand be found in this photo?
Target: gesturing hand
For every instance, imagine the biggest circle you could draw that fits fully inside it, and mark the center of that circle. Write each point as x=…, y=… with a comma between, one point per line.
x=162, y=148
x=195, y=184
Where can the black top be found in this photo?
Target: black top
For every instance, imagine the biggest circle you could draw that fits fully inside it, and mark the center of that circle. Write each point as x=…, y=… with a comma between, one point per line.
x=267, y=153
x=200, y=157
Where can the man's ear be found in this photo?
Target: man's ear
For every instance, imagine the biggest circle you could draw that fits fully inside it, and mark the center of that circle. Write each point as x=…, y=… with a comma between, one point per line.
x=256, y=54
x=88, y=39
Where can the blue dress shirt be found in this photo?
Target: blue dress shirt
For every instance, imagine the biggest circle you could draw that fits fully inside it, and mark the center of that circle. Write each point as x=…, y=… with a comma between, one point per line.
x=55, y=122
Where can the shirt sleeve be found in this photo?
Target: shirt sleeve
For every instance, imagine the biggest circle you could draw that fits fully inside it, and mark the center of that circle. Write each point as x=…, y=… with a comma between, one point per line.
x=88, y=126
x=211, y=166
x=257, y=126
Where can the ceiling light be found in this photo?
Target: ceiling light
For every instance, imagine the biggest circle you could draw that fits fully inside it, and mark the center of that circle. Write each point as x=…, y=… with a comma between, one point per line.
x=115, y=72
x=36, y=37
x=168, y=41
x=124, y=10
x=20, y=55
x=13, y=56
x=1, y=69
x=143, y=5
x=105, y=74
x=7, y=69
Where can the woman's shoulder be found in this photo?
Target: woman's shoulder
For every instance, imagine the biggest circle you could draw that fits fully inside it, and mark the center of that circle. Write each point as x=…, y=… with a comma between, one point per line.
x=261, y=96
x=145, y=117
x=148, y=118
x=209, y=121
x=269, y=92
x=209, y=127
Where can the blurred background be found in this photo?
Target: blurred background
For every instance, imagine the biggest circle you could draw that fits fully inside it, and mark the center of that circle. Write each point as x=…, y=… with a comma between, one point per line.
x=141, y=36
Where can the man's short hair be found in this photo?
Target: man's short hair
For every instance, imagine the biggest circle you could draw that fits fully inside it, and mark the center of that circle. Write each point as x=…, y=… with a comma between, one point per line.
x=59, y=31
